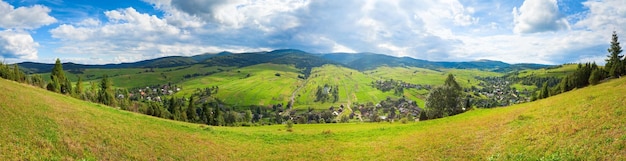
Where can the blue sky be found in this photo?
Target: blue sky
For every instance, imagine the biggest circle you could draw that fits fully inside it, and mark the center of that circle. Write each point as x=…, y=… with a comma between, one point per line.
x=513, y=31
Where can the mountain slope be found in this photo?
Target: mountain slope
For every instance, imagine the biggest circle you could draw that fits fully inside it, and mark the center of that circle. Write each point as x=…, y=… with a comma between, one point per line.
x=584, y=124
x=359, y=61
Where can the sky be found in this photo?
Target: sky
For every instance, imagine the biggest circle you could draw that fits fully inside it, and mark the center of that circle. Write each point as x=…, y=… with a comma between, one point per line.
x=116, y=31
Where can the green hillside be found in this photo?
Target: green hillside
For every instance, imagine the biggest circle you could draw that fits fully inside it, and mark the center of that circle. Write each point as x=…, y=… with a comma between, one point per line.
x=253, y=85
x=558, y=71
x=142, y=77
x=353, y=86
x=465, y=77
x=584, y=124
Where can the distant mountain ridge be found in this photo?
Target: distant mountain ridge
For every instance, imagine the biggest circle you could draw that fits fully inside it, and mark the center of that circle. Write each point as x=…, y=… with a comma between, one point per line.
x=301, y=59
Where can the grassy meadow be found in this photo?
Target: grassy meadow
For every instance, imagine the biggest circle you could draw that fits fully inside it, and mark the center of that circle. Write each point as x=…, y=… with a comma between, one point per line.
x=261, y=87
x=583, y=124
x=559, y=72
x=141, y=77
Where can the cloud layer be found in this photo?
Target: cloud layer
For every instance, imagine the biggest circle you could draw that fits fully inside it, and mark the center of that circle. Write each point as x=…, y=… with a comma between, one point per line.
x=532, y=31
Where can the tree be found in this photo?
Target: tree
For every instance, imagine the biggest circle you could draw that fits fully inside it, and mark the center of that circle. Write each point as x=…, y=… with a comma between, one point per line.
x=545, y=93
x=451, y=82
x=79, y=88
x=106, y=95
x=54, y=85
x=445, y=100
x=596, y=76
x=18, y=75
x=58, y=70
x=614, y=64
x=192, y=116
x=248, y=116
x=289, y=126
x=67, y=87
x=219, y=117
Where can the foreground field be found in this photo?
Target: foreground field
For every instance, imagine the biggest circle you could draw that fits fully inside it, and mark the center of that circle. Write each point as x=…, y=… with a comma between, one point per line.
x=584, y=124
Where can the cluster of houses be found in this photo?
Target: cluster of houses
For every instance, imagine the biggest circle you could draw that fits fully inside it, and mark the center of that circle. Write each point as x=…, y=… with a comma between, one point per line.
x=499, y=93
x=387, y=85
x=153, y=93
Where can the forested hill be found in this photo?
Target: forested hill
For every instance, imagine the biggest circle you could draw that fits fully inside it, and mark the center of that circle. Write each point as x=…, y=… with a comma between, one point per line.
x=301, y=59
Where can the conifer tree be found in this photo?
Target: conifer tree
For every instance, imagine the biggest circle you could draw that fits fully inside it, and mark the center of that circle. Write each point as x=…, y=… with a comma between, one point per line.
x=79, y=87
x=614, y=62
x=192, y=116
x=106, y=95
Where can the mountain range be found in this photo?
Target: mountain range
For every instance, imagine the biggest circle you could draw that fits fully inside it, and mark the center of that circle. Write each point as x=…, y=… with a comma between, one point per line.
x=301, y=59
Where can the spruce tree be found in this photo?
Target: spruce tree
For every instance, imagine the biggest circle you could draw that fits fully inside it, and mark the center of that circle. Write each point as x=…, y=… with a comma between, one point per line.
x=614, y=63
x=192, y=116
x=58, y=70
x=106, y=95
x=67, y=87
x=596, y=76
x=545, y=93
x=79, y=87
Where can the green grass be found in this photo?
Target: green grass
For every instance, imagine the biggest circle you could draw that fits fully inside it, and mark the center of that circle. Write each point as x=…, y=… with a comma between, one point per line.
x=555, y=72
x=465, y=77
x=139, y=77
x=263, y=87
x=354, y=86
x=584, y=124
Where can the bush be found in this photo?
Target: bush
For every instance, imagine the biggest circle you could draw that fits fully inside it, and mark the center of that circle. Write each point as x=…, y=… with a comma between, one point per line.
x=289, y=125
x=404, y=120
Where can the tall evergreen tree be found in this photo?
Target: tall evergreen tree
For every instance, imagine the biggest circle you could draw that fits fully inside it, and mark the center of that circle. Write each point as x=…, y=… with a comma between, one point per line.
x=79, y=88
x=614, y=62
x=106, y=94
x=67, y=87
x=596, y=76
x=545, y=93
x=18, y=74
x=58, y=70
x=192, y=115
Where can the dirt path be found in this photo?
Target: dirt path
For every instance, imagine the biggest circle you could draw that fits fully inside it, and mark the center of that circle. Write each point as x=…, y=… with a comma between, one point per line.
x=293, y=95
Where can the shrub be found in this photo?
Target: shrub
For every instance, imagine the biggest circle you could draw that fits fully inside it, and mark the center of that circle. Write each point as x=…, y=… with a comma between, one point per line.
x=289, y=126
x=404, y=120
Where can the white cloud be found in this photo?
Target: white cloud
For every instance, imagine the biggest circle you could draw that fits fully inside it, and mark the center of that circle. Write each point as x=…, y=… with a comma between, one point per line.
x=445, y=30
x=17, y=44
x=24, y=17
x=604, y=16
x=538, y=16
x=128, y=35
x=15, y=41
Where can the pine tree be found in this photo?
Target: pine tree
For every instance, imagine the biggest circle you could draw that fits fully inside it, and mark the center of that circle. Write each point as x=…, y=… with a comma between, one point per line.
x=58, y=70
x=545, y=93
x=192, y=116
x=54, y=85
x=596, y=76
x=67, y=87
x=18, y=75
x=106, y=95
x=614, y=63
x=79, y=88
